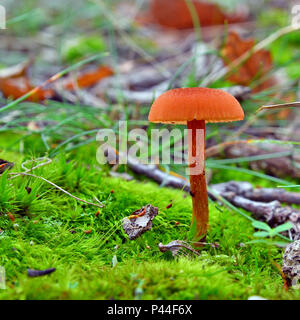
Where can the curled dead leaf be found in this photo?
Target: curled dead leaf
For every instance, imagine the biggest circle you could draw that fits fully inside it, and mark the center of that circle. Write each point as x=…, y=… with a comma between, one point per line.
x=90, y=78
x=139, y=221
x=258, y=65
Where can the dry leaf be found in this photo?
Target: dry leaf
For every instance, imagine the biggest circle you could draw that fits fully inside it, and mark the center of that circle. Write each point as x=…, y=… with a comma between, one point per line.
x=139, y=221
x=176, y=14
x=18, y=70
x=90, y=78
x=4, y=165
x=256, y=66
x=14, y=83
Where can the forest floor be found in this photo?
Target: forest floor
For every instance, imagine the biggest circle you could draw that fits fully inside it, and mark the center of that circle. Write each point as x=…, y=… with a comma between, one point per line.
x=93, y=257
x=112, y=72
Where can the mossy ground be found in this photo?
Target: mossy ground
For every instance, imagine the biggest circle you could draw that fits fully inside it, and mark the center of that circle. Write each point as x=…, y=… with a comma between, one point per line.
x=41, y=237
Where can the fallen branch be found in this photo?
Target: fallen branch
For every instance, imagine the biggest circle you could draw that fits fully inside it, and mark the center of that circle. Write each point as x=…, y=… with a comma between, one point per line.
x=151, y=171
x=280, y=166
x=240, y=194
x=246, y=190
x=273, y=212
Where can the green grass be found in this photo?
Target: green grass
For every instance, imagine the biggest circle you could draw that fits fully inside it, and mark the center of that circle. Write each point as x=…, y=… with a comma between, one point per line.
x=40, y=238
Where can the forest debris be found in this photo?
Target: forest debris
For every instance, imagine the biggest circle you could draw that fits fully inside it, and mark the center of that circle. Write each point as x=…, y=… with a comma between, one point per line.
x=279, y=106
x=176, y=246
x=139, y=221
x=89, y=79
x=235, y=192
x=150, y=171
x=279, y=167
x=18, y=70
x=39, y=273
x=271, y=212
x=258, y=64
x=177, y=14
x=291, y=263
x=123, y=175
x=5, y=165
x=246, y=190
x=14, y=83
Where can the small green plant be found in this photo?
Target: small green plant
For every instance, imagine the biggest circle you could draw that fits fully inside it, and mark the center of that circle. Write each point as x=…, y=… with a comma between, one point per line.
x=267, y=232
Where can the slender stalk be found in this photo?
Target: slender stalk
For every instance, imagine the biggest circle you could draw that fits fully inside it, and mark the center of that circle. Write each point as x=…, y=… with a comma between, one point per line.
x=196, y=145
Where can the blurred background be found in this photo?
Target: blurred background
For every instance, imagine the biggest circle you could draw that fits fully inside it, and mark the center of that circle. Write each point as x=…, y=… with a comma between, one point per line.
x=112, y=58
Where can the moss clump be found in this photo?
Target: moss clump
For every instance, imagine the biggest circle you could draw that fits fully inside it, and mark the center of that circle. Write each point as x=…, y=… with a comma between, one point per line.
x=82, y=47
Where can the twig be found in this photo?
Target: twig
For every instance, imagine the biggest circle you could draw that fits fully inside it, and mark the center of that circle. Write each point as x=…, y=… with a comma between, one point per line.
x=279, y=106
x=219, y=148
x=246, y=190
x=235, y=193
x=59, y=188
x=33, y=168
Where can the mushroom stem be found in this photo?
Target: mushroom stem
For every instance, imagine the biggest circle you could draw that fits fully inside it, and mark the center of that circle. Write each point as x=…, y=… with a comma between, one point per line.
x=196, y=148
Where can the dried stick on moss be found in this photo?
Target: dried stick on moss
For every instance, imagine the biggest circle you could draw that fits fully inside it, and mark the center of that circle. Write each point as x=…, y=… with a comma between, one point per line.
x=271, y=212
x=59, y=188
x=245, y=189
x=240, y=188
x=240, y=194
x=268, y=208
x=150, y=171
x=47, y=161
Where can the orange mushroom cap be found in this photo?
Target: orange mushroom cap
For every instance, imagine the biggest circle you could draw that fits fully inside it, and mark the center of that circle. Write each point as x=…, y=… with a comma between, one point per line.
x=187, y=104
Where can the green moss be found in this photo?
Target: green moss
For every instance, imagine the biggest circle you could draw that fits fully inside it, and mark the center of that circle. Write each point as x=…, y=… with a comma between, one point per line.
x=82, y=47
x=274, y=17
x=49, y=226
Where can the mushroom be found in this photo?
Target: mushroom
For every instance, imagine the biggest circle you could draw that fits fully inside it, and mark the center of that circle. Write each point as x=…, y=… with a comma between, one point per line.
x=193, y=107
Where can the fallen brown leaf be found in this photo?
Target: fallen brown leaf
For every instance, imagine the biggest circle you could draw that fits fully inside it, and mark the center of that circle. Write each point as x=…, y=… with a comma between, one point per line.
x=15, y=82
x=176, y=14
x=90, y=78
x=257, y=65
